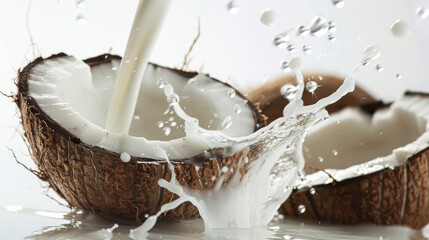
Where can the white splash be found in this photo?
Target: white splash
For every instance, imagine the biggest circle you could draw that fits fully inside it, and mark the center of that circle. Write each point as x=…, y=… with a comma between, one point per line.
x=249, y=195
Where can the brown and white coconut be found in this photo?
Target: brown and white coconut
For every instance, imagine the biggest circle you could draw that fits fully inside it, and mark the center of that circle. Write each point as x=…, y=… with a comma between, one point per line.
x=64, y=102
x=367, y=164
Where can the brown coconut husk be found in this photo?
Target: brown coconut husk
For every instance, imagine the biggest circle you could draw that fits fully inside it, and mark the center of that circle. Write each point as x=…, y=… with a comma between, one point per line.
x=398, y=196
x=269, y=99
x=96, y=180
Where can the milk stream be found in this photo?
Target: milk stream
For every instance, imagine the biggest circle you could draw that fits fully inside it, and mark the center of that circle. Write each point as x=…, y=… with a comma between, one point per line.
x=146, y=27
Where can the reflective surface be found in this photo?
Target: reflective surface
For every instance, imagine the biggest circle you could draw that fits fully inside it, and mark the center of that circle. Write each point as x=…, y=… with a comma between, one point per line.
x=16, y=223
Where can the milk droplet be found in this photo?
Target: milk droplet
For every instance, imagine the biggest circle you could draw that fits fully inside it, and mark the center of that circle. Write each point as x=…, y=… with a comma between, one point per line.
x=226, y=123
x=303, y=30
x=233, y=7
x=301, y=209
x=80, y=19
x=379, y=68
x=320, y=78
x=136, y=117
x=173, y=124
x=400, y=29
x=422, y=12
x=291, y=48
x=288, y=91
x=312, y=191
x=237, y=108
x=335, y=152
x=114, y=68
x=146, y=215
x=319, y=26
x=398, y=76
x=332, y=27
x=306, y=49
x=125, y=157
x=372, y=52
x=231, y=93
x=331, y=38
x=224, y=169
x=160, y=83
x=296, y=64
x=311, y=86
x=281, y=40
x=268, y=17
x=166, y=131
x=301, y=175
x=321, y=159
x=338, y=3
x=160, y=124
x=285, y=66
x=80, y=3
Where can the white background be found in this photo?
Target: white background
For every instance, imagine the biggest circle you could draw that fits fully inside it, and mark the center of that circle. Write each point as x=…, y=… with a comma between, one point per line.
x=233, y=47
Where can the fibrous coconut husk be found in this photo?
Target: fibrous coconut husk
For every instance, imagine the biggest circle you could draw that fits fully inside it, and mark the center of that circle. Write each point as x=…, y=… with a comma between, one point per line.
x=96, y=180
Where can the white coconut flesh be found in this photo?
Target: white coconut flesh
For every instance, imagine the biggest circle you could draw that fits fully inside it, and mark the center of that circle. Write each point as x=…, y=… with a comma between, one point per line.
x=353, y=143
x=77, y=97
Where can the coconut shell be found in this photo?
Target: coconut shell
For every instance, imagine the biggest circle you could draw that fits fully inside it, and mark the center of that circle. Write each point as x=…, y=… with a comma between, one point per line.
x=398, y=196
x=388, y=197
x=96, y=180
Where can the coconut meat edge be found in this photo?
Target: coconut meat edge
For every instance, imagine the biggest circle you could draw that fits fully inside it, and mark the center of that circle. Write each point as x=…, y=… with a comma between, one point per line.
x=352, y=143
x=77, y=97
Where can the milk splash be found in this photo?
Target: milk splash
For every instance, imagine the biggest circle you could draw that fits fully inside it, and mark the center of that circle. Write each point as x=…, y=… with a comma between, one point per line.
x=248, y=194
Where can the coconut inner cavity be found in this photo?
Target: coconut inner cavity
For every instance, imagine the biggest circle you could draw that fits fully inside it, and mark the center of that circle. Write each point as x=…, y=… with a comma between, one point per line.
x=78, y=96
x=353, y=143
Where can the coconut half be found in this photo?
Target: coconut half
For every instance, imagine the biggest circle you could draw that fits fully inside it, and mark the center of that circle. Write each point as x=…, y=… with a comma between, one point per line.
x=64, y=102
x=375, y=165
